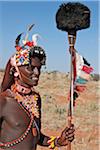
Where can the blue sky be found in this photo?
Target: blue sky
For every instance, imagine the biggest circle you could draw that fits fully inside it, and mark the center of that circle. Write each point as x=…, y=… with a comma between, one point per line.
x=15, y=16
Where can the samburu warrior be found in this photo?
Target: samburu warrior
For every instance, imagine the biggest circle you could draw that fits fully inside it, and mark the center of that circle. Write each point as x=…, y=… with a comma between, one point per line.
x=20, y=104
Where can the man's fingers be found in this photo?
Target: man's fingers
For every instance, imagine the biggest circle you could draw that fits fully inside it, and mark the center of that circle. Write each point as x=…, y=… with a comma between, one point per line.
x=71, y=138
x=70, y=131
x=66, y=129
x=69, y=135
x=70, y=128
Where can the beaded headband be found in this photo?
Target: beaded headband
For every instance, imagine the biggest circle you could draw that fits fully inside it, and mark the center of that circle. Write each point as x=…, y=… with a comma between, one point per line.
x=22, y=57
x=28, y=50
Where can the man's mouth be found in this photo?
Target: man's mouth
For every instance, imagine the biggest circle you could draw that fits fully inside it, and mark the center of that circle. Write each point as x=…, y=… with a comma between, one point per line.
x=35, y=78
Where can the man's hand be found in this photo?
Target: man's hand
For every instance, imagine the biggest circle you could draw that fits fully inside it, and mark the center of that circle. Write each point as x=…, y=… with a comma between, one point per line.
x=67, y=135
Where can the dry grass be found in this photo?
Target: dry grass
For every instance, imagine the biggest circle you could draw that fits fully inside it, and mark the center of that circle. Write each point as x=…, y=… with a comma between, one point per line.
x=54, y=89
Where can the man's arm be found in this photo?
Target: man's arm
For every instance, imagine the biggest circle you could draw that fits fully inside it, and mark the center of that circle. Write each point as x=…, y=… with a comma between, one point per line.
x=2, y=105
x=66, y=135
x=43, y=140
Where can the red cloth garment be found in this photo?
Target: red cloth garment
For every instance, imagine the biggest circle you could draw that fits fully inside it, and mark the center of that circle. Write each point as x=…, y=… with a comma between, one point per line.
x=80, y=88
x=74, y=68
x=87, y=69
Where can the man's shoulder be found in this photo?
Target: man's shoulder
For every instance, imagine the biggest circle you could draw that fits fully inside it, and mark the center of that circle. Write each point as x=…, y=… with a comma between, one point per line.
x=4, y=96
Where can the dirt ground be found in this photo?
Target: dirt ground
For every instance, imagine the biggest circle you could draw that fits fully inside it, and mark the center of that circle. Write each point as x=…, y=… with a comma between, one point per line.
x=54, y=88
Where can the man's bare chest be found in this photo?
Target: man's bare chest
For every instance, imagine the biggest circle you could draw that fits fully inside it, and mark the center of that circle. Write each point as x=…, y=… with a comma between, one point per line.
x=15, y=116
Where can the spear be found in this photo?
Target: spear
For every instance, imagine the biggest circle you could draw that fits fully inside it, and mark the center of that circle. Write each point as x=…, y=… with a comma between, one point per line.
x=71, y=39
x=70, y=18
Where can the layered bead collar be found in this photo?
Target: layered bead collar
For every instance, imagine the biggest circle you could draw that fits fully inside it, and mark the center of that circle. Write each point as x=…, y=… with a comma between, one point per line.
x=21, y=89
x=27, y=98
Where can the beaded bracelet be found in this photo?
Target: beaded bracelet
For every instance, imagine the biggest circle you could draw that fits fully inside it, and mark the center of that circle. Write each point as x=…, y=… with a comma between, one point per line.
x=53, y=143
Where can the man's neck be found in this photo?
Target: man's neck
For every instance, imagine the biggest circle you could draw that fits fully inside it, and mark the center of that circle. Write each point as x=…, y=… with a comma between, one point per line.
x=20, y=82
x=22, y=87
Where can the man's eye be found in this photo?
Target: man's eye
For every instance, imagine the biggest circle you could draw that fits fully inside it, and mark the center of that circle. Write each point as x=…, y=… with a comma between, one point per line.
x=32, y=68
x=28, y=68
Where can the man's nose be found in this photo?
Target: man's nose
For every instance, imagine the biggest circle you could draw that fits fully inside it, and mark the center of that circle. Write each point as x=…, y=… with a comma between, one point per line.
x=36, y=71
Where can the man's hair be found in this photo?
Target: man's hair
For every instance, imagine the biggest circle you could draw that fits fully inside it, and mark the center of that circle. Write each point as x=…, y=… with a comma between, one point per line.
x=39, y=52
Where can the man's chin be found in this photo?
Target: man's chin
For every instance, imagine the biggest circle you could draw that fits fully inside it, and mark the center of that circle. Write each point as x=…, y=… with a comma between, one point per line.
x=34, y=83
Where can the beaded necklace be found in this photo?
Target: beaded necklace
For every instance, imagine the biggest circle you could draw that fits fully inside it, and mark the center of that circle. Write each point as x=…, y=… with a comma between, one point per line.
x=29, y=105
x=29, y=102
x=19, y=139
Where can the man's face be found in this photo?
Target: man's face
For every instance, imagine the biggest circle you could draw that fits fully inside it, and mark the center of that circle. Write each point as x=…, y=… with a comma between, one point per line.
x=29, y=74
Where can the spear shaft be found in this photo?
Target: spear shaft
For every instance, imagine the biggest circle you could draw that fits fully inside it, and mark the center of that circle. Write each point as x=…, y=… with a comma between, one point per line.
x=72, y=40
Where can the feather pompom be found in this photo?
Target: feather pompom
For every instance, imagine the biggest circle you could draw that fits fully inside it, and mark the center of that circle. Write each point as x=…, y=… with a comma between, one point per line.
x=72, y=17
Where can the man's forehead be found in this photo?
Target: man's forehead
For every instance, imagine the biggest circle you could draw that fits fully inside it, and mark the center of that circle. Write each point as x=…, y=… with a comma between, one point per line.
x=35, y=61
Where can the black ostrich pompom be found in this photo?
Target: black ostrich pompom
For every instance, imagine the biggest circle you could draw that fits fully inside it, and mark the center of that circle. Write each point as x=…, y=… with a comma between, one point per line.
x=72, y=16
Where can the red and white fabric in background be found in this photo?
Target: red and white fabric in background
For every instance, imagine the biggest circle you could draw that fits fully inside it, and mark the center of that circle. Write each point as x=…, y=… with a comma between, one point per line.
x=87, y=69
x=81, y=72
